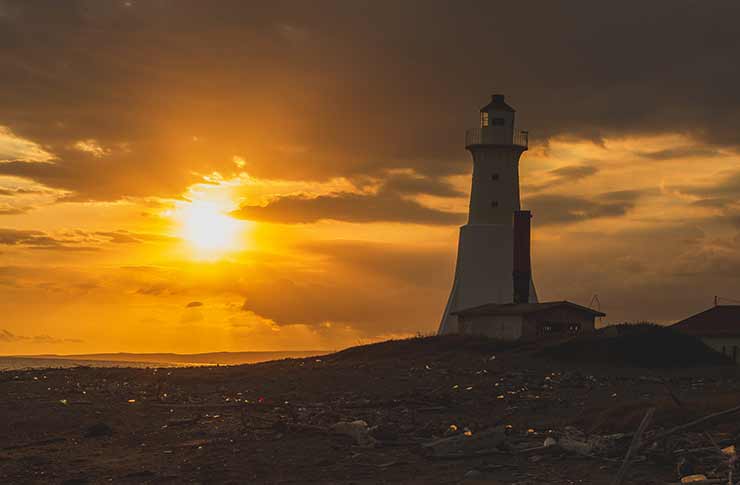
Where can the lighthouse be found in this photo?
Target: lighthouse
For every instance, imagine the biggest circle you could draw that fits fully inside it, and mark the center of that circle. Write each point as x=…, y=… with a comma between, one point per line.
x=485, y=271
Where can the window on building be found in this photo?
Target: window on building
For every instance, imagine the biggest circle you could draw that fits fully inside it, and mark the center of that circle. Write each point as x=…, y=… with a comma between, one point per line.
x=494, y=203
x=484, y=119
x=498, y=122
x=494, y=176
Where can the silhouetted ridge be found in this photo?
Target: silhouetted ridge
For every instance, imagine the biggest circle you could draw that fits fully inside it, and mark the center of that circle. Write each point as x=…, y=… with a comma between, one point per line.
x=637, y=345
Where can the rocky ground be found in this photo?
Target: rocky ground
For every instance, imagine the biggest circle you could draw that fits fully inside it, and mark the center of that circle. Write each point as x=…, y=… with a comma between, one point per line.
x=426, y=410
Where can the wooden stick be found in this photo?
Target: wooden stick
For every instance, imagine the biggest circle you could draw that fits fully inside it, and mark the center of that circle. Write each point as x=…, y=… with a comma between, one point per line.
x=708, y=481
x=633, y=446
x=696, y=422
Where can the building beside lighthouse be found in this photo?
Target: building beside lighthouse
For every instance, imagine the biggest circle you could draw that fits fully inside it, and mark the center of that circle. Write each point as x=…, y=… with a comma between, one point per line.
x=493, y=292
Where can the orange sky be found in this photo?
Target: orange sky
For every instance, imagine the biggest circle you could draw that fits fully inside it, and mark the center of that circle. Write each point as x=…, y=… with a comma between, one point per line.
x=187, y=179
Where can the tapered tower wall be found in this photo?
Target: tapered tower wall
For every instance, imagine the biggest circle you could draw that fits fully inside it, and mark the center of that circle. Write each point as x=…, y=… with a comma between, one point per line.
x=484, y=266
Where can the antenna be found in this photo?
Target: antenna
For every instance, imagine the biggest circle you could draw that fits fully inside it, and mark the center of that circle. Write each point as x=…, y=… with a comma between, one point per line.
x=718, y=299
x=595, y=299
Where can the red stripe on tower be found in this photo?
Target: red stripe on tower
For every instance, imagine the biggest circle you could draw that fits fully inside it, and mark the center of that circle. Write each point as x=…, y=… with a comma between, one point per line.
x=522, y=256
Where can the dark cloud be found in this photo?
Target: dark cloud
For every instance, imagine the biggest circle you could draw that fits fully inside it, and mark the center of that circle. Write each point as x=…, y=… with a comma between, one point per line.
x=574, y=172
x=727, y=186
x=385, y=206
x=673, y=153
x=715, y=202
x=172, y=90
x=125, y=237
x=549, y=209
x=160, y=288
x=413, y=184
x=70, y=241
x=560, y=176
x=723, y=194
x=194, y=304
x=16, y=237
x=119, y=237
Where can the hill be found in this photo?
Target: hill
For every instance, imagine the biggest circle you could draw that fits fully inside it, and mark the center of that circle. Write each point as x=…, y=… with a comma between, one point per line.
x=365, y=415
x=637, y=345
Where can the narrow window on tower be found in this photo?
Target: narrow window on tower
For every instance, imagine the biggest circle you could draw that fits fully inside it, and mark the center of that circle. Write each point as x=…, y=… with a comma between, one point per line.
x=484, y=119
x=494, y=203
x=494, y=176
x=499, y=122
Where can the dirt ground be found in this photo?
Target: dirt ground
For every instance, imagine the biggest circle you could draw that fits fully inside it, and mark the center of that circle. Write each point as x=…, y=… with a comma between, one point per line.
x=273, y=422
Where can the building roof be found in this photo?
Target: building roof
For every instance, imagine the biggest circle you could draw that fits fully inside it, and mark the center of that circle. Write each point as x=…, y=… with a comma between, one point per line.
x=523, y=308
x=718, y=321
x=497, y=104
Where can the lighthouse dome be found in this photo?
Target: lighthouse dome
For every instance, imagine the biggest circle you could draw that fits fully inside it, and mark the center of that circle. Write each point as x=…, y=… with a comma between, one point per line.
x=497, y=103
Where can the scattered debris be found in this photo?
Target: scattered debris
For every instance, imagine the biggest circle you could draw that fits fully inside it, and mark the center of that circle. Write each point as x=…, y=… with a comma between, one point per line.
x=467, y=445
x=525, y=420
x=576, y=441
x=694, y=479
x=357, y=430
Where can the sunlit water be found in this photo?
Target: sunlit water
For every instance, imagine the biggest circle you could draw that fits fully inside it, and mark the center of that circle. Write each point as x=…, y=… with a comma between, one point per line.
x=25, y=363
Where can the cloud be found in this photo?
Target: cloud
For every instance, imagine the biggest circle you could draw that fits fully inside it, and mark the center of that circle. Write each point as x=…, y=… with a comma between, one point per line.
x=684, y=152
x=550, y=209
x=723, y=186
x=92, y=147
x=366, y=103
x=559, y=177
x=119, y=237
x=9, y=337
x=381, y=207
x=160, y=288
x=194, y=304
x=14, y=237
x=574, y=172
x=73, y=240
x=14, y=147
x=414, y=184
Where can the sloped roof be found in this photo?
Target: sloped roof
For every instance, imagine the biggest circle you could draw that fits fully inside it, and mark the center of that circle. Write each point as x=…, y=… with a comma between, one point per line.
x=497, y=104
x=718, y=321
x=523, y=308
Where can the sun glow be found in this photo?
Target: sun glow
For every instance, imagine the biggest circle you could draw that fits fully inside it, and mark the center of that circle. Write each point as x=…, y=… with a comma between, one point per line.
x=206, y=227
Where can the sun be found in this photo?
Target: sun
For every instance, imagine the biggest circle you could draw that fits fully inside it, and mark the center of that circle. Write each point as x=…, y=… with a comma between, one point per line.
x=207, y=227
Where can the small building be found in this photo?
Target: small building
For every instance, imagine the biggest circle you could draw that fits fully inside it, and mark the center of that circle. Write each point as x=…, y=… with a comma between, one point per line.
x=718, y=327
x=513, y=321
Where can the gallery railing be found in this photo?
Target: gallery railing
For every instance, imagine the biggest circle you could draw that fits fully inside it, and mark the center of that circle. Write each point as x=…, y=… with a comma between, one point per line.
x=496, y=136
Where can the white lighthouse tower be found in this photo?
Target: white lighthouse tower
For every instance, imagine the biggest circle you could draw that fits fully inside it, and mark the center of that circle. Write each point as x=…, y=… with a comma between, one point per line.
x=485, y=271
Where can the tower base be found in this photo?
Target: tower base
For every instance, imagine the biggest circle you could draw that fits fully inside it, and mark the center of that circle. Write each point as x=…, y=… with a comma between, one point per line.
x=483, y=272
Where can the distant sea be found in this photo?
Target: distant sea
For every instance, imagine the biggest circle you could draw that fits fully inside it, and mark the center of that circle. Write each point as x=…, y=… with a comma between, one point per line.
x=13, y=363
x=25, y=363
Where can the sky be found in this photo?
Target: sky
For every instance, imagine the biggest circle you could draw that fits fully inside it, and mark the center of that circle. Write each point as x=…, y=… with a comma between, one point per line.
x=192, y=176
